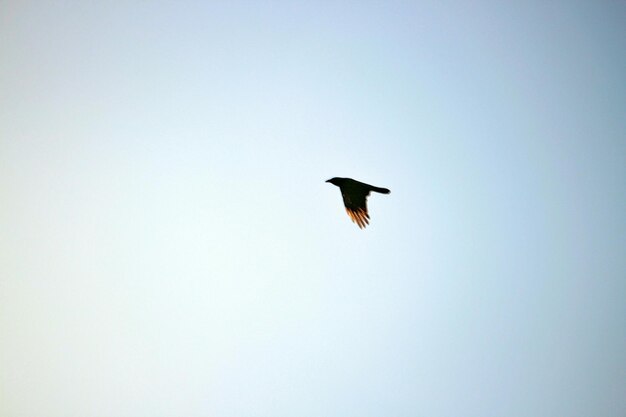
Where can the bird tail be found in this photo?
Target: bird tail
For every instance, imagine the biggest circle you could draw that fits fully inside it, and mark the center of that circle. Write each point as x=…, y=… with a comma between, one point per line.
x=381, y=190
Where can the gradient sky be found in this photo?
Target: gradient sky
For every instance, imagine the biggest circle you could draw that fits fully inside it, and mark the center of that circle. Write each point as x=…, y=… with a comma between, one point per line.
x=168, y=245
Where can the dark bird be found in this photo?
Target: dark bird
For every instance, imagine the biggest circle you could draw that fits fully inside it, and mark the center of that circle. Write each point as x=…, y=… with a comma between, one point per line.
x=354, y=195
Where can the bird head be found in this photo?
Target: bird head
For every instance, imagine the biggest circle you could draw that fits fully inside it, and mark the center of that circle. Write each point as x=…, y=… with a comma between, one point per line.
x=336, y=181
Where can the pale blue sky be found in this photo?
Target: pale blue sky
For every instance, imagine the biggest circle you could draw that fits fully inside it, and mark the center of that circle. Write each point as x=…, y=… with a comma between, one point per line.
x=169, y=247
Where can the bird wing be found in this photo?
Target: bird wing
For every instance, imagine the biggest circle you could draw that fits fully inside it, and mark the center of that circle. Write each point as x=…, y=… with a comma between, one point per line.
x=355, y=200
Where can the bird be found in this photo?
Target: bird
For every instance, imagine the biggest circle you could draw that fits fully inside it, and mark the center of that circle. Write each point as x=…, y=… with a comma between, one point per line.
x=354, y=195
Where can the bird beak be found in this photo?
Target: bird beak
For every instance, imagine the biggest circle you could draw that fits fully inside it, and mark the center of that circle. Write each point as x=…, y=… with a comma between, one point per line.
x=327, y=180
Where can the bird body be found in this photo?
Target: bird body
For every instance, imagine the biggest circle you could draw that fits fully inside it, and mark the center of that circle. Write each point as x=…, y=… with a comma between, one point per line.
x=354, y=195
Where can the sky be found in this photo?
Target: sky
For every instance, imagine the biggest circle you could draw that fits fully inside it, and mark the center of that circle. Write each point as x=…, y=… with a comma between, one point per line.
x=169, y=246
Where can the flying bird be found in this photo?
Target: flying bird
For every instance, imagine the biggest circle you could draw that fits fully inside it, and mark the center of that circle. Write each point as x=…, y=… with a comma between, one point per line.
x=354, y=195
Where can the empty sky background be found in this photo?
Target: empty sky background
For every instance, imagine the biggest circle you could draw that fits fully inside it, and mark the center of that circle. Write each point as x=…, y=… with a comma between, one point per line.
x=168, y=246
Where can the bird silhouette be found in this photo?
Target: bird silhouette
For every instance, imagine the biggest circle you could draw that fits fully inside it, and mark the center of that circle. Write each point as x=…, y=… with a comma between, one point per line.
x=354, y=195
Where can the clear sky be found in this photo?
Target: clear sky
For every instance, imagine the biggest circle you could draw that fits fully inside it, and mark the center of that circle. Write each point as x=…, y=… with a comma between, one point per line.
x=168, y=245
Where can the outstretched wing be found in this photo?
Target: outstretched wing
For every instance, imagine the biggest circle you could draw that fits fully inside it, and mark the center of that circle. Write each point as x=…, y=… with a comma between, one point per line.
x=355, y=200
